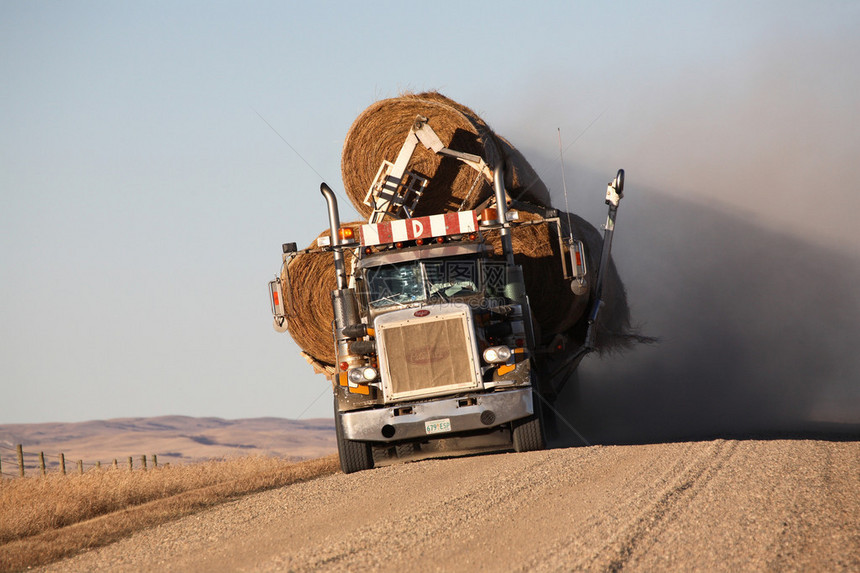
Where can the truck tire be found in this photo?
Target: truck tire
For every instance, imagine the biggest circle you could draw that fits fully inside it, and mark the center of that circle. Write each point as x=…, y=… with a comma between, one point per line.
x=406, y=450
x=528, y=434
x=354, y=456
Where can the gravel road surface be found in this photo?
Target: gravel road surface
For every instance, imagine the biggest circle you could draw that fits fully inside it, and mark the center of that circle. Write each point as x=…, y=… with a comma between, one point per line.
x=721, y=505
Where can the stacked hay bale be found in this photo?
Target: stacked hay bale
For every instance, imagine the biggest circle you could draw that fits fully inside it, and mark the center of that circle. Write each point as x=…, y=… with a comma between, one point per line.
x=307, y=301
x=378, y=134
x=555, y=307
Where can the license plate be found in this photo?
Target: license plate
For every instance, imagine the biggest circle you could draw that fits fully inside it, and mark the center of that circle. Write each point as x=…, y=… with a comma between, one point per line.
x=438, y=426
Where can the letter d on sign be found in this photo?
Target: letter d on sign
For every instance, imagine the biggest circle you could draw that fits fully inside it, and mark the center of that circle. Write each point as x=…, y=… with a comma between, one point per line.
x=417, y=228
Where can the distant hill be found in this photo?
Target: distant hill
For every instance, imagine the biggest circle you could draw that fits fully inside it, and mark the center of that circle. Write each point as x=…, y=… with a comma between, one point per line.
x=172, y=438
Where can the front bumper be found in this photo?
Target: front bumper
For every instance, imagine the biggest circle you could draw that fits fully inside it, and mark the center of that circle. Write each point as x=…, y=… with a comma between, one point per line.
x=487, y=411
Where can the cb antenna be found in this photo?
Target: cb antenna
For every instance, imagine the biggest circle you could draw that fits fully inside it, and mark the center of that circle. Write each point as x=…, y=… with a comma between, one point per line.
x=296, y=151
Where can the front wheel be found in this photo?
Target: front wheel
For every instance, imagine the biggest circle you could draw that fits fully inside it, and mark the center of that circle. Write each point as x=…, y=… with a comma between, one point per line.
x=528, y=433
x=354, y=456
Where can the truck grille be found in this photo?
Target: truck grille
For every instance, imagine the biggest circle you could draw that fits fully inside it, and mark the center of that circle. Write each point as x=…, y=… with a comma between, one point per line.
x=426, y=356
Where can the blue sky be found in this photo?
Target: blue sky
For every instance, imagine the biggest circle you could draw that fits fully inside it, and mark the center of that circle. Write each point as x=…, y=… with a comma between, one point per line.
x=145, y=201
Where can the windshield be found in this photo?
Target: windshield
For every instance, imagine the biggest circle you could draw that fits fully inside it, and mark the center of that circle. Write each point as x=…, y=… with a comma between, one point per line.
x=423, y=280
x=395, y=284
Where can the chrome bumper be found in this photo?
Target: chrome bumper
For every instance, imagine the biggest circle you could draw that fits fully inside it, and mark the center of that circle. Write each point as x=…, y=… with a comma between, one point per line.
x=489, y=410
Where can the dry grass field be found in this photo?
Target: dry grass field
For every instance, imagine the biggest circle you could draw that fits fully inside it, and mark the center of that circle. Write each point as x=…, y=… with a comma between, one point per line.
x=173, y=438
x=43, y=519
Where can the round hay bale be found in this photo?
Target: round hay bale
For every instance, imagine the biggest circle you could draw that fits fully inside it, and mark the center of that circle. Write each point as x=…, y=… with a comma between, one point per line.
x=554, y=306
x=521, y=180
x=379, y=132
x=612, y=331
x=307, y=300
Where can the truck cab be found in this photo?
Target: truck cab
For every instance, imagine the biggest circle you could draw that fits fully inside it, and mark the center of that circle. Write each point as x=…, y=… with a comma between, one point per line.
x=438, y=349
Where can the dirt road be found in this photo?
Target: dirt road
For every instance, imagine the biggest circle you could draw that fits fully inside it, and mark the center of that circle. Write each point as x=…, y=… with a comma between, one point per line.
x=718, y=505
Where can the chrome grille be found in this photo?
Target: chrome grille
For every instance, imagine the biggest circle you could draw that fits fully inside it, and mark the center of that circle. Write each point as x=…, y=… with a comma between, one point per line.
x=427, y=356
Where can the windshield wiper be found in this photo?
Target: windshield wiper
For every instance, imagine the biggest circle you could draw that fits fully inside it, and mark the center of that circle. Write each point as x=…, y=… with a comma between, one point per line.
x=390, y=298
x=396, y=298
x=440, y=292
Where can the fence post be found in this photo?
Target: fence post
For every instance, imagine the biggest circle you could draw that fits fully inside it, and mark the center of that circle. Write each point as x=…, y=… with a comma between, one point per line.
x=63, y=463
x=21, y=460
x=99, y=465
x=114, y=463
x=154, y=461
x=130, y=464
x=80, y=467
x=143, y=462
x=1, y=469
x=42, y=462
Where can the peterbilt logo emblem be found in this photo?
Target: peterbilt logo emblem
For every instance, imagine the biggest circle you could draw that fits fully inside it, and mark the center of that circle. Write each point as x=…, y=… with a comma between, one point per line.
x=422, y=312
x=426, y=355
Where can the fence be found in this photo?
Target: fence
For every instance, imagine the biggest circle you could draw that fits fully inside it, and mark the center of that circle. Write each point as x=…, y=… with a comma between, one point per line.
x=22, y=465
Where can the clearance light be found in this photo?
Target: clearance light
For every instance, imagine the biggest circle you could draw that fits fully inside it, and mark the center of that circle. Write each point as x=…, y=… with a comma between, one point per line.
x=489, y=216
x=344, y=366
x=399, y=244
x=473, y=236
x=419, y=242
x=368, y=250
x=362, y=375
x=496, y=354
x=440, y=240
x=346, y=234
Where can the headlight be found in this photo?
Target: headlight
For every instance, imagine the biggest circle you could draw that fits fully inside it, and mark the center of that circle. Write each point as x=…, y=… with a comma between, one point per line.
x=496, y=354
x=362, y=375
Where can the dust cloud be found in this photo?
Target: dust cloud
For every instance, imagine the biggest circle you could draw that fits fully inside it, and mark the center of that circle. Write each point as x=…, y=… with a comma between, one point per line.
x=737, y=240
x=758, y=333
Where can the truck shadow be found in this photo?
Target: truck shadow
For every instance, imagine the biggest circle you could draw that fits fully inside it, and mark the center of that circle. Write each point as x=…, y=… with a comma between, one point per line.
x=758, y=332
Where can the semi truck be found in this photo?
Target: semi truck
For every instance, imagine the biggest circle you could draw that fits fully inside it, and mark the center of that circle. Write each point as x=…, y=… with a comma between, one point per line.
x=433, y=331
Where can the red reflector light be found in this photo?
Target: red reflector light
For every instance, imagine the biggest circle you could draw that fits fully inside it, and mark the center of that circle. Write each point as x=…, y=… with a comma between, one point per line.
x=473, y=236
x=440, y=240
x=398, y=244
x=344, y=366
x=367, y=250
x=275, y=298
x=520, y=342
x=419, y=242
x=346, y=233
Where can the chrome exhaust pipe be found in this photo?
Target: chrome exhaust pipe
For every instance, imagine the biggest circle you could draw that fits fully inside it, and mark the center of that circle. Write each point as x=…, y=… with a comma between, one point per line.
x=342, y=299
x=502, y=209
x=334, y=223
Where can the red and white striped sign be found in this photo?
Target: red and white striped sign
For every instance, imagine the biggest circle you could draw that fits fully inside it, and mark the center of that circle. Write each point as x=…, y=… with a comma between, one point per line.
x=455, y=223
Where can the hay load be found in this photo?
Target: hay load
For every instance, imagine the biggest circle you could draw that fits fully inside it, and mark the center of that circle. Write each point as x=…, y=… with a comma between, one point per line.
x=377, y=135
x=613, y=330
x=556, y=309
x=379, y=132
x=307, y=301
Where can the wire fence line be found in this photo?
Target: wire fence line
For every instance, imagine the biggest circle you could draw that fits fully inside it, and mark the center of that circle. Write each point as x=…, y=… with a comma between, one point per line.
x=17, y=462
